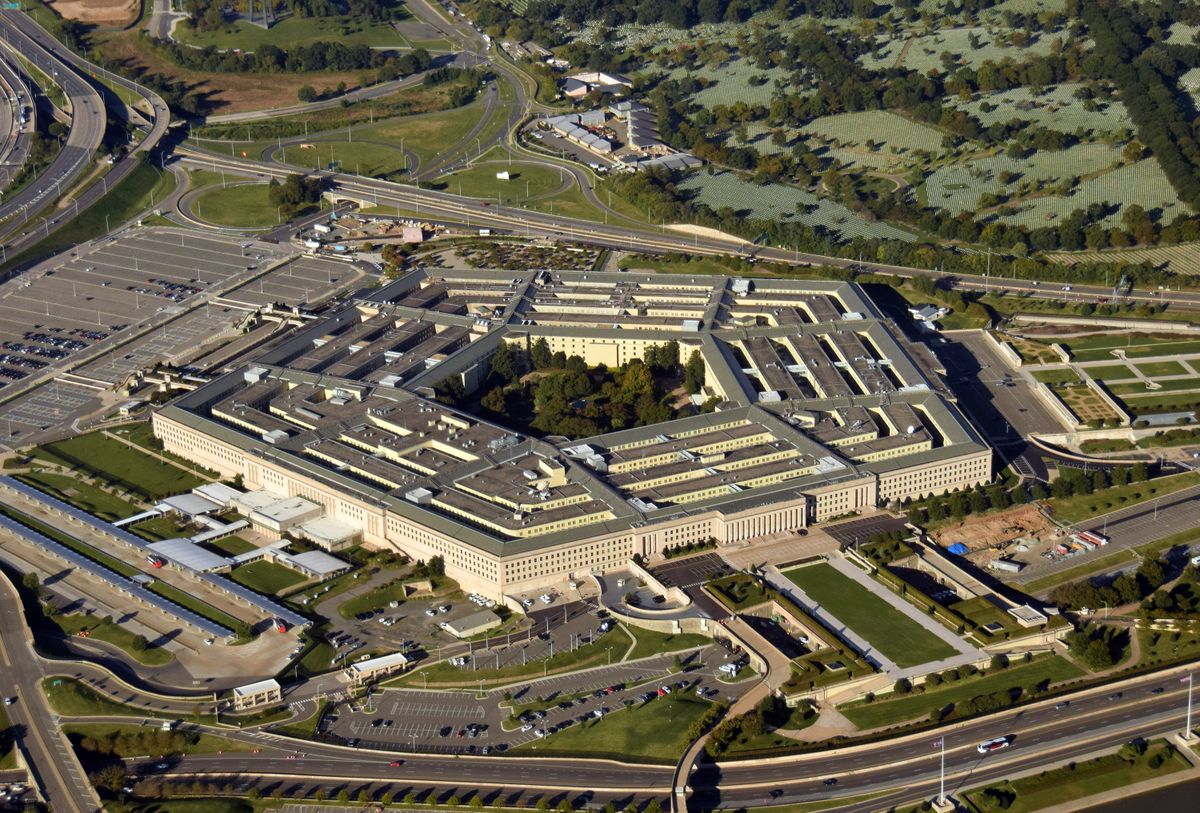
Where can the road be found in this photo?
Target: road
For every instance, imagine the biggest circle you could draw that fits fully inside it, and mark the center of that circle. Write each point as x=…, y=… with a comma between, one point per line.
x=56, y=772
x=89, y=120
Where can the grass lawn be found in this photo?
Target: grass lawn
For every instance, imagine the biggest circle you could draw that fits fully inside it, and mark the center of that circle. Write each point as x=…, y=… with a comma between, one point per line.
x=370, y=159
x=919, y=705
x=119, y=464
x=739, y=591
x=266, y=577
x=8, y=754
x=159, y=528
x=212, y=804
x=1156, y=368
x=379, y=597
x=83, y=496
x=71, y=698
x=694, y=265
x=883, y=626
x=1154, y=403
x=230, y=545
x=141, y=189
x=442, y=675
x=113, y=633
x=1114, y=372
x=301, y=729
x=1081, y=779
x=1086, y=506
x=1136, y=351
x=140, y=434
x=244, y=205
x=193, y=743
x=1063, y=376
x=525, y=181
x=650, y=642
x=623, y=733
x=292, y=32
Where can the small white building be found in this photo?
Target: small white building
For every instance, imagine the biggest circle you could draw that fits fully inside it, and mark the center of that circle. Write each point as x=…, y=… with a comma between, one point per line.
x=375, y=668
x=255, y=695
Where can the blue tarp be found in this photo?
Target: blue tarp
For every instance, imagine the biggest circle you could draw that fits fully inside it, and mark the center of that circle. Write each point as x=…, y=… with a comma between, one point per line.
x=958, y=549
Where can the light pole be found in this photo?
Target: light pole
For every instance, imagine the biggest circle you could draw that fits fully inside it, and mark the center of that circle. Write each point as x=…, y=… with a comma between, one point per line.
x=1187, y=725
x=941, y=799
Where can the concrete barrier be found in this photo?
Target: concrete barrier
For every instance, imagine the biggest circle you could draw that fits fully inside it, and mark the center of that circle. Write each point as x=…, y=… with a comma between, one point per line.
x=1005, y=350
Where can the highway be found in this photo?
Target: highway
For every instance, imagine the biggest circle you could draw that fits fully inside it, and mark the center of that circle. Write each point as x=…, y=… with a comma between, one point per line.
x=55, y=769
x=906, y=767
x=87, y=129
x=87, y=121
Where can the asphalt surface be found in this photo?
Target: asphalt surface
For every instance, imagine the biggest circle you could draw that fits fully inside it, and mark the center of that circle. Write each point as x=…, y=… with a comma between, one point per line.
x=87, y=120
x=55, y=769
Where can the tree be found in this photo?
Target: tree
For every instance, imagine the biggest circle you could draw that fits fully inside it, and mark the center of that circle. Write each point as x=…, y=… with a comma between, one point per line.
x=343, y=796
x=503, y=364
x=307, y=94
x=139, y=643
x=111, y=778
x=693, y=373
x=540, y=354
x=31, y=583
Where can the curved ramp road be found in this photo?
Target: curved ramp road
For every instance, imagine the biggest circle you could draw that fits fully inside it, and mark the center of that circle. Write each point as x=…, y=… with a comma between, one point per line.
x=87, y=129
x=87, y=119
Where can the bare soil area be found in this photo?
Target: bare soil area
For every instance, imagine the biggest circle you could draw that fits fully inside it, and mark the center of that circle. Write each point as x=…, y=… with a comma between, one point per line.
x=116, y=13
x=990, y=535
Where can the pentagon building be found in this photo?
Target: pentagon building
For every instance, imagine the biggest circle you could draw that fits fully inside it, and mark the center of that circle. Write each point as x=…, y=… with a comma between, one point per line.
x=821, y=410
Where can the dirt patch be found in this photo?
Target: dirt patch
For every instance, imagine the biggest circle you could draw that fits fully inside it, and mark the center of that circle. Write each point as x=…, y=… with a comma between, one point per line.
x=223, y=92
x=117, y=13
x=991, y=535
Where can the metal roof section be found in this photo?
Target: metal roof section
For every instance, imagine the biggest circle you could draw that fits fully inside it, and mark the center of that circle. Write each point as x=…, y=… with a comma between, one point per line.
x=812, y=387
x=114, y=580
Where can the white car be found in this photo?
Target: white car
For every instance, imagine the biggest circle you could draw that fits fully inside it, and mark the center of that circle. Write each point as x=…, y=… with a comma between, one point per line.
x=527, y=727
x=995, y=744
x=431, y=612
x=540, y=733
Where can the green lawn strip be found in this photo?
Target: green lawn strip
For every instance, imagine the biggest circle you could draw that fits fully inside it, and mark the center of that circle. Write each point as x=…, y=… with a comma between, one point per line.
x=1138, y=388
x=1078, y=780
x=301, y=729
x=159, y=528
x=208, y=804
x=919, y=704
x=82, y=548
x=816, y=807
x=739, y=591
x=885, y=627
x=140, y=741
x=1062, y=376
x=1154, y=403
x=142, y=188
x=231, y=545
x=120, y=464
x=770, y=741
x=200, y=608
x=1116, y=372
x=266, y=577
x=682, y=265
x=1085, y=506
x=84, y=496
x=71, y=698
x=292, y=32
x=654, y=731
x=1158, y=368
x=8, y=754
x=650, y=642
x=1136, y=351
x=101, y=629
x=374, y=599
x=608, y=648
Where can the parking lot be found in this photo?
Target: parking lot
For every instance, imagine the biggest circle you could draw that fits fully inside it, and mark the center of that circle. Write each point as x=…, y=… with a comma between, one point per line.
x=183, y=282
x=463, y=722
x=689, y=574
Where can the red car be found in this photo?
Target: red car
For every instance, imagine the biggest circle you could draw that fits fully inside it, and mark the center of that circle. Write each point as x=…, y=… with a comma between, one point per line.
x=395, y=763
